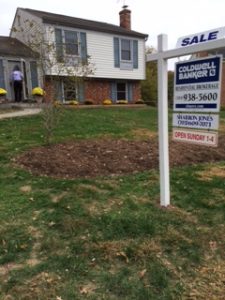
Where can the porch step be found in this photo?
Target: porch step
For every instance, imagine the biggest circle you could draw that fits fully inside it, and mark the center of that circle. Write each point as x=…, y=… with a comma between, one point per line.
x=21, y=105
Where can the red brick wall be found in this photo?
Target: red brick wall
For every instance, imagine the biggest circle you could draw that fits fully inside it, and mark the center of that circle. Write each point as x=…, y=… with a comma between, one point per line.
x=136, y=91
x=49, y=91
x=97, y=91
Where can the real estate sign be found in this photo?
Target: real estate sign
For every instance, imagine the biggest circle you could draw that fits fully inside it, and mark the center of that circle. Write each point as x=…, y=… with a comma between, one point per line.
x=196, y=137
x=197, y=85
x=196, y=89
x=194, y=120
x=201, y=37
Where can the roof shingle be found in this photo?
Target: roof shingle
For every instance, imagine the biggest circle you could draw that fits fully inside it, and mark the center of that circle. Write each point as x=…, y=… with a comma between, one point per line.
x=61, y=20
x=12, y=47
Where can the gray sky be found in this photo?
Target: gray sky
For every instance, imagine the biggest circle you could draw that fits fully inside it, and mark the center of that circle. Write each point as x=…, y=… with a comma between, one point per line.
x=175, y=18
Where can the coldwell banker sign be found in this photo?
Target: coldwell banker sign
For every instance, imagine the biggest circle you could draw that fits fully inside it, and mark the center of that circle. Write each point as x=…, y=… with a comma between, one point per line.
x=197, y=85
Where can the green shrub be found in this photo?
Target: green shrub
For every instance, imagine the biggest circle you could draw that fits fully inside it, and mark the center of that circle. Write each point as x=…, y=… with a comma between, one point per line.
x=88, y=102
x=139, y=101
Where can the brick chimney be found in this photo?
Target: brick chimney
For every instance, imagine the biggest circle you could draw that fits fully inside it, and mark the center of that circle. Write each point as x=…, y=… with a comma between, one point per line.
x=125, y=18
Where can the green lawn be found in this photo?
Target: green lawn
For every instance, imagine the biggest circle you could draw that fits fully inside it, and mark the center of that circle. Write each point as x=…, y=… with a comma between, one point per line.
x=108, y=238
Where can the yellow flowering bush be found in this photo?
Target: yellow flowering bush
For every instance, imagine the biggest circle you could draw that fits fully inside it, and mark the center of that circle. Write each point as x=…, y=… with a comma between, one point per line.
x=121, y=102
x=139, y=101
x=73, y=102
x=107, y=102
x=38, y=91
x=57, y=103
x=3, y=92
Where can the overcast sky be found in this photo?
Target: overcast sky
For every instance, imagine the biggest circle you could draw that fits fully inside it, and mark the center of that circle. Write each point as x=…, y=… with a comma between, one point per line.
x=175, y=18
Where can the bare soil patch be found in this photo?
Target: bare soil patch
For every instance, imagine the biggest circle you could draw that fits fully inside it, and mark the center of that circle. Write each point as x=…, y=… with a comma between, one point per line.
x=109, y=157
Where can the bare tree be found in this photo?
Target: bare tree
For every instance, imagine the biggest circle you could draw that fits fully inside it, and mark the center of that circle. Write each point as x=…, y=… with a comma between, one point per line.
x=53, y=67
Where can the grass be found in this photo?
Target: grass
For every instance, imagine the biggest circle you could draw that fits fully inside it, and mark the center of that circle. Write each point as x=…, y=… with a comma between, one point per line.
x=107, y=238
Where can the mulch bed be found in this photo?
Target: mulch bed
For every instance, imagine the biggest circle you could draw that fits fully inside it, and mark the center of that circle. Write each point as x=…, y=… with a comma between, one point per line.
x=105, y=157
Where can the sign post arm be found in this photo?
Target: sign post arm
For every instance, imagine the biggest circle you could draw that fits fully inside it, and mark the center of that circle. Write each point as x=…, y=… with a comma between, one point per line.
x=163, y=123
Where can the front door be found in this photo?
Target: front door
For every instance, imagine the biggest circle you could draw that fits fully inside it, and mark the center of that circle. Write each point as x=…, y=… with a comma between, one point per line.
x=11, y=66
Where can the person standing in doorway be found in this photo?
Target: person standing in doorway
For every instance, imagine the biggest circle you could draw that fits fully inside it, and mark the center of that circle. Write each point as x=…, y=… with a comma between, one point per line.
x=17, y=81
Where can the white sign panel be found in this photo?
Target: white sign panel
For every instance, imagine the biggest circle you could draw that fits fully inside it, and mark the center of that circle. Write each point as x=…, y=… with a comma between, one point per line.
x=201, y=37
x=196, y=137
x=199, y=121
x=197, y=85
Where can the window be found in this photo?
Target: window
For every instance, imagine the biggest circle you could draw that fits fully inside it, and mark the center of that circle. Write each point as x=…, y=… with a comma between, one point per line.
x=67, y=90
x=125, y=49
x=70, y=90
x=125, y=53
x=71, y=43
x=121, y=91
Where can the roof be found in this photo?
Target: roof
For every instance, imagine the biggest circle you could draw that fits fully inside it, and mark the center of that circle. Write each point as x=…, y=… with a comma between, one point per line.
x=12, y=47
x=62, y=20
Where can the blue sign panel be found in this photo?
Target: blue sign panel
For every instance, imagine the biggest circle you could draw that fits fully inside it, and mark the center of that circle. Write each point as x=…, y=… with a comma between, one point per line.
x=204, y=70
x=197, y=84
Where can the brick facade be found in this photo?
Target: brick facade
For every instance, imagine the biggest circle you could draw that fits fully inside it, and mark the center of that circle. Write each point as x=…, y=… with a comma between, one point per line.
x=136, y=91
x=97, y=91
x=49, y=91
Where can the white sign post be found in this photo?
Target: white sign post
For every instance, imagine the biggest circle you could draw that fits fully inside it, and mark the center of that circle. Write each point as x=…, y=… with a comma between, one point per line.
x=163, y=125
x=196, y=45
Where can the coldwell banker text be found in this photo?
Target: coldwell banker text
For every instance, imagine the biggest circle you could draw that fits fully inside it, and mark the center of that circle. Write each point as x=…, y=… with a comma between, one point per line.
x=205, y=69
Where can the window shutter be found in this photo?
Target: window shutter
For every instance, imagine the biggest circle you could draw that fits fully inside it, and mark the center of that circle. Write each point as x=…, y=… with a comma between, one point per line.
x=2, y=79
x=135, y=54
x=83, y=42
x=59, y=93
x=59, y=44
x=81, y=92
x=34, y=74
x=130, y=92
x=116, y=52
x=113, y=92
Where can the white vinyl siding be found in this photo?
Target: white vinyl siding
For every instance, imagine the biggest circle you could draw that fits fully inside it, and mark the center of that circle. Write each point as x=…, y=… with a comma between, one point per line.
x=101, y=51
x=28, y=29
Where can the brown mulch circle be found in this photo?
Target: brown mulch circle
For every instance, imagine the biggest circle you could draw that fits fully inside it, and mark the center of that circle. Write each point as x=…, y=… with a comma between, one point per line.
x=104, y=157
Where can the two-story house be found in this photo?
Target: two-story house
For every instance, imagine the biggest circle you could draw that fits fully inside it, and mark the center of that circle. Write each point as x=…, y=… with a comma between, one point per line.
x=103, y=61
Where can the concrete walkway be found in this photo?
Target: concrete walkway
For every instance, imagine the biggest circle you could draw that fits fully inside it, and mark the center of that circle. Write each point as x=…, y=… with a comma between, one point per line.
x=20, y=113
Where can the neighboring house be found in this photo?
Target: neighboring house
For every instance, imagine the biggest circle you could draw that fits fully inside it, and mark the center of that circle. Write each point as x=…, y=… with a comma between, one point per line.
x=110, y=58
x=12, y=53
